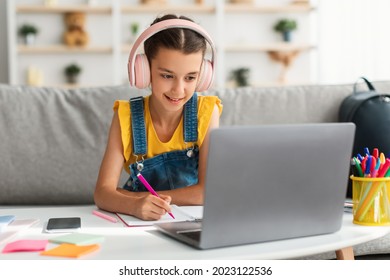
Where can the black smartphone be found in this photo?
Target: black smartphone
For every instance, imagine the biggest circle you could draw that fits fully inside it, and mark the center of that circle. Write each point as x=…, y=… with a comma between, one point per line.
x=68, y=224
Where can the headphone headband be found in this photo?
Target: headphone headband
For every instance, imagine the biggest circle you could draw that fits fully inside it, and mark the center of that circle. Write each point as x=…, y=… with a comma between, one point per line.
x=163, y=25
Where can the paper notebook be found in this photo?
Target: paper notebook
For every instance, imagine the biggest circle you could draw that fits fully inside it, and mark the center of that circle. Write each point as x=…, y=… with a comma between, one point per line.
x=180, y=214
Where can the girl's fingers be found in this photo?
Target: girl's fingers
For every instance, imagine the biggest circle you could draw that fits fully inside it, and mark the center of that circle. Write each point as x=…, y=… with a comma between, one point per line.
x=153, y=208
x=167, y=198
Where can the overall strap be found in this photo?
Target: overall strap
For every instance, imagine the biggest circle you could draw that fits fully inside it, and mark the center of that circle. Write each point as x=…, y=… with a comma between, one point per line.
x=138, y=126
x=191, y=119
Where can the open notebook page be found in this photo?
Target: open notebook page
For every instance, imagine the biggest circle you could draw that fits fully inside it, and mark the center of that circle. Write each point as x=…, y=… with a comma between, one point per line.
x=180, y=213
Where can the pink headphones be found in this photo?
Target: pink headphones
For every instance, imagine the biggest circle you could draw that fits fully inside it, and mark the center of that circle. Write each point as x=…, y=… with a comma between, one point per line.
x=138, y=66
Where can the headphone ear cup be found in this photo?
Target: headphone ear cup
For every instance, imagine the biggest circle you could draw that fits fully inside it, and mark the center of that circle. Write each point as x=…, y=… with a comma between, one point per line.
x=141, y=72
x=205, y=77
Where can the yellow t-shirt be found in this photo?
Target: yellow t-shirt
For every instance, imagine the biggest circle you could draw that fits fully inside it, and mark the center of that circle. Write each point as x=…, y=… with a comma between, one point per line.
x=155, y=146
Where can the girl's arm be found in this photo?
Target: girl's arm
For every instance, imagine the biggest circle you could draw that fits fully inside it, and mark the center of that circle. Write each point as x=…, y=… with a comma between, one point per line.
x=193, y=195
x=108, y=197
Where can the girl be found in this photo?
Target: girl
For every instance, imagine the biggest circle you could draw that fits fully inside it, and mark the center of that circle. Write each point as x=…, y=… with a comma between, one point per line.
x=165, y=135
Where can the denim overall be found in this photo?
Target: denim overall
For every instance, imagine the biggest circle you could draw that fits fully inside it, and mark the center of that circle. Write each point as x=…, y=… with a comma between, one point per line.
x=169, y=170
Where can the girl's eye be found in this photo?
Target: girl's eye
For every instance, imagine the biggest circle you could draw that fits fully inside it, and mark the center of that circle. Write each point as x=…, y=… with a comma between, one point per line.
x=191, y=78
x=167, y=76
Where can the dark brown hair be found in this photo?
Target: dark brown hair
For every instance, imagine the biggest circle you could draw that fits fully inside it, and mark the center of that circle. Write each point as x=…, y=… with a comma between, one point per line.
x=182, y=39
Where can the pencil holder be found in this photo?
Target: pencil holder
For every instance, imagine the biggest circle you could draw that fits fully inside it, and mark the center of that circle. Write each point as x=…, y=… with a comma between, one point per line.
x=371, y=201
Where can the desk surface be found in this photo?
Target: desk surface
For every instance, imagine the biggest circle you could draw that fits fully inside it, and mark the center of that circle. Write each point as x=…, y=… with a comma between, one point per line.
x=148, y=243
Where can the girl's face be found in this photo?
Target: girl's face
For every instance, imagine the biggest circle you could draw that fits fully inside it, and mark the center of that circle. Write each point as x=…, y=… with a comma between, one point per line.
x=174, y=77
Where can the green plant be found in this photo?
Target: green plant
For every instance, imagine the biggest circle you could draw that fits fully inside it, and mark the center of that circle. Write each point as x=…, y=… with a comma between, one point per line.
x=26, y=29
x=285, y=25
x=240, y=76
x=134, y=27
x=72, y=69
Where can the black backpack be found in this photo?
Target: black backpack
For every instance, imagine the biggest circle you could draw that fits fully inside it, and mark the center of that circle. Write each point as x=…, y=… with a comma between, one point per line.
x=370, y=111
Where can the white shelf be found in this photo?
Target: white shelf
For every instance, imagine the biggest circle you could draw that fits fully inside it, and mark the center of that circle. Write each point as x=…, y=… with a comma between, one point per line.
x=172, y=8
x=22, y=49
x=251, y=8
x=126, y=48
x=29, y=9
x=114, y=49
x=269, y=47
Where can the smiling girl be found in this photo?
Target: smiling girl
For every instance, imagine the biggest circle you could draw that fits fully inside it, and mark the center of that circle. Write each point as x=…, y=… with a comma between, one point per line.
x=164, y=135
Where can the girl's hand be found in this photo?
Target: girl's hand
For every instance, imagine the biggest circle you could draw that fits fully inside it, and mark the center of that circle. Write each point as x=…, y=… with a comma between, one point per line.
x=150, y=207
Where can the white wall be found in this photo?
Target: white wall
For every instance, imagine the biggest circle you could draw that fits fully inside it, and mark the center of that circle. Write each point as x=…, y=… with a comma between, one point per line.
x=354, y=40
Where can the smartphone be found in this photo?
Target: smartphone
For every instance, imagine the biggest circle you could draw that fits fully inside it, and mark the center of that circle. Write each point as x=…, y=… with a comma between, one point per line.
x=68, y=224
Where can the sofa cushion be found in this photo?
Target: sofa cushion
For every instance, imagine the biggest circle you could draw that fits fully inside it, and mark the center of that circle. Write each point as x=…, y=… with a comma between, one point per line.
x=289, y=104
x=52, y=142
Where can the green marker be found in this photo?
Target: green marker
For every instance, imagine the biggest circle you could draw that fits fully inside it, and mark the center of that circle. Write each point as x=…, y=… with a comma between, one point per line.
x=387, y=173
x=357, y=166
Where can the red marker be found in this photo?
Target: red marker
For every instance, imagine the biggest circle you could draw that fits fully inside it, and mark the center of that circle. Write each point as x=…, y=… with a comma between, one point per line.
x=375, y=153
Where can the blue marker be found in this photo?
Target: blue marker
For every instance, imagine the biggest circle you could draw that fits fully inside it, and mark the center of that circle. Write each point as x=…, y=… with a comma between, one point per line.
x=368, y=167
x=360, y=157
x=366, y=151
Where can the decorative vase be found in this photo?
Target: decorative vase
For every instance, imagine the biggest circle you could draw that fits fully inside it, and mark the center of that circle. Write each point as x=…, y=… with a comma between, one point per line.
x=286, y=36
x=29, y=39
x=72, y=78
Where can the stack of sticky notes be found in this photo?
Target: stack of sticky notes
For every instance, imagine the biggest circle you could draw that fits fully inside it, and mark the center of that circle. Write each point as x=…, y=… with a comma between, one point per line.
x=70, y=250
x=78, y=239
x=25, y=246
x=11, y=227
x=74, y=245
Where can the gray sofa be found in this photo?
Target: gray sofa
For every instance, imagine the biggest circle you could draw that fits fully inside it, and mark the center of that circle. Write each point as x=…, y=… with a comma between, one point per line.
x=52, y=140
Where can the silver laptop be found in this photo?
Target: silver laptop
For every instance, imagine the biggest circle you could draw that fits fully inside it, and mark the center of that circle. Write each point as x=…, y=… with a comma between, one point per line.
x=271, y=182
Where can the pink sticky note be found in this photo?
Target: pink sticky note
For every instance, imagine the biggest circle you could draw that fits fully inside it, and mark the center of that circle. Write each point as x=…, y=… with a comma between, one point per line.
x=25, y=246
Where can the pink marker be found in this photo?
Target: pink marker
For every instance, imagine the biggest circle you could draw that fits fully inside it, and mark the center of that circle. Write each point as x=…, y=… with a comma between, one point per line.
x=104, y=216
x=150, y=189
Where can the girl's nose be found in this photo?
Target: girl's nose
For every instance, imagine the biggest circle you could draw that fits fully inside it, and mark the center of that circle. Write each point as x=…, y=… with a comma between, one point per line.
x=178, y=86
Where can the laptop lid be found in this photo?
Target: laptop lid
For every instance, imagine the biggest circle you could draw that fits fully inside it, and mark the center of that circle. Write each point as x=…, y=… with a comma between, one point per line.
x=273, y=182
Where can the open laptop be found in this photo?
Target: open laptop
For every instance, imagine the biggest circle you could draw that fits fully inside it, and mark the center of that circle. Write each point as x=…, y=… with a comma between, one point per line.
x=271, y=182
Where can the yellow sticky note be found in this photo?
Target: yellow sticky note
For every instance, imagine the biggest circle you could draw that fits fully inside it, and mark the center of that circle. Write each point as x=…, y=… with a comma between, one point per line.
x=70, y=250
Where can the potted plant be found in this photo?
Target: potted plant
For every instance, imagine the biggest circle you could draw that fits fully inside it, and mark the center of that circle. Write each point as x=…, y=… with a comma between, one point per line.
x=28, y=32
x=72, y=72
x=240, y=76
x=285, y=26
x=134, y=27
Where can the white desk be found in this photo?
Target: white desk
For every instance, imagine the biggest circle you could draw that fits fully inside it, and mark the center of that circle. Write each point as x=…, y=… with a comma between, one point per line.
x=147, y=243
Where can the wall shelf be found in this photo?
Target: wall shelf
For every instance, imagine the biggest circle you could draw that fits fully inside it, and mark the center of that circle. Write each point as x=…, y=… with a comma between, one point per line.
x=63, y=9
x=269, y=47
x=226, y=23
x=23, y=49
x=251, y=8
x=172, y=8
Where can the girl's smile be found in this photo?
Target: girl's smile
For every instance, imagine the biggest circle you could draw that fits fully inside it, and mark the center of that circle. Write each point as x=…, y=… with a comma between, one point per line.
x=174, y=101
